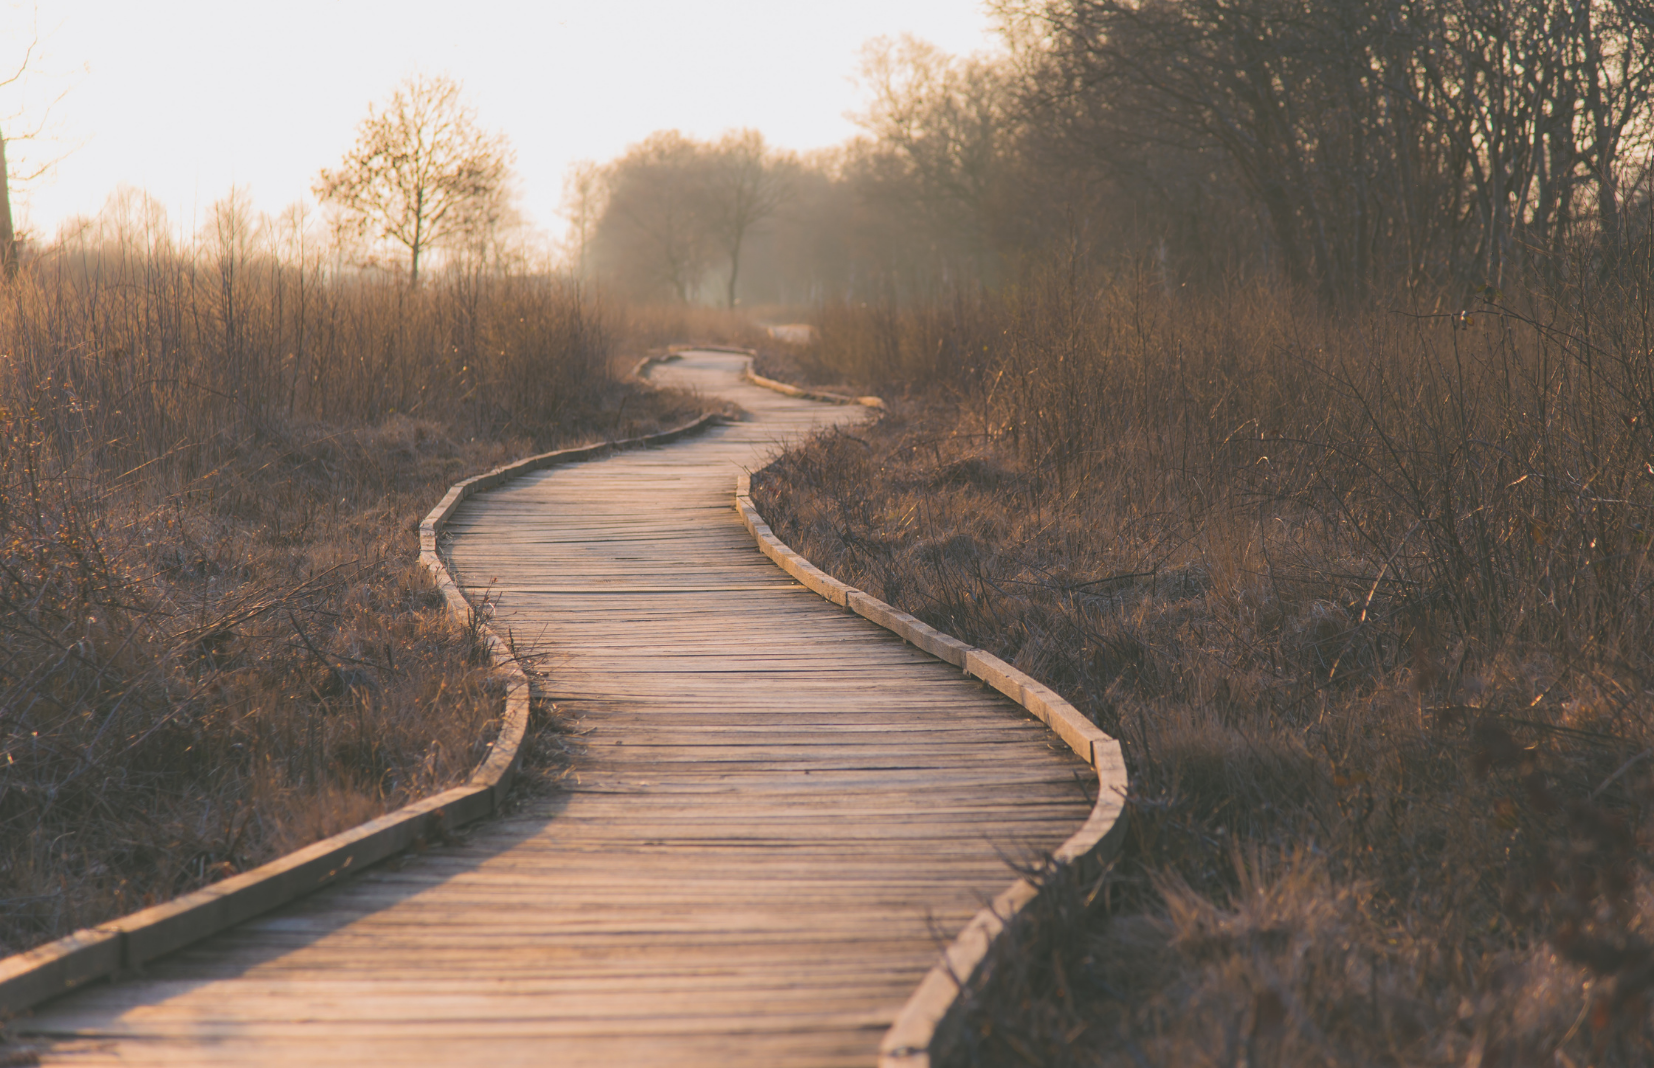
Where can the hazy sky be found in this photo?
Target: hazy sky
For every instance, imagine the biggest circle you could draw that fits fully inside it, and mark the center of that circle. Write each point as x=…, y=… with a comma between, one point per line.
x=186, y=98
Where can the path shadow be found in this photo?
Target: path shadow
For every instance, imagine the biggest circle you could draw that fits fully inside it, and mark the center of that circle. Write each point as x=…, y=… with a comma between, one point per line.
x=292, y=927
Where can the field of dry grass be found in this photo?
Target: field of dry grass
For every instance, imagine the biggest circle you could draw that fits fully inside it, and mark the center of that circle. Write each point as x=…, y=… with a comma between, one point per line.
x=1368, y=598
x=216, y=643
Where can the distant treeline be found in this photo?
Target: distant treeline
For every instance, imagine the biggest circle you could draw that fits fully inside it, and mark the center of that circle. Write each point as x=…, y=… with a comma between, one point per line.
x=1346, y=145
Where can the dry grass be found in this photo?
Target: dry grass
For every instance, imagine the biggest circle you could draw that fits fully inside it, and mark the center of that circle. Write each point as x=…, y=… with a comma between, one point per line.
x=1368, y=599
x=216, y=643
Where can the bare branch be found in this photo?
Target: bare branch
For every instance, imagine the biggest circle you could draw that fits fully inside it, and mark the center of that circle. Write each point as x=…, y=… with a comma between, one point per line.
x=422, y=173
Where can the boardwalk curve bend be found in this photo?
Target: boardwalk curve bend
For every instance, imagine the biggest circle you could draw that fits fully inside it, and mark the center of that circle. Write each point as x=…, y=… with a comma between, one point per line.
x=776, y=813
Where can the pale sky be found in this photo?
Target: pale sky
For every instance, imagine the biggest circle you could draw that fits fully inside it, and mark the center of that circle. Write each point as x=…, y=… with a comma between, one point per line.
x=185, y=98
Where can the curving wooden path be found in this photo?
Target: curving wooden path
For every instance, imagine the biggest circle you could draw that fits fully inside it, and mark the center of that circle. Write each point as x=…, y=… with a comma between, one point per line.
x=777, y=813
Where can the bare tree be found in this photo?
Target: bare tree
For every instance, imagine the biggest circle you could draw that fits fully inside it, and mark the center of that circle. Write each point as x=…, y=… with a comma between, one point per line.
x=655, y=225
x=944, y=116
x=230, y=240
x=422, y=173
x=943, y=138
x=8, y=173
x=1429, y=141
x=584, y=196
x=744, y=186
x=8, y=235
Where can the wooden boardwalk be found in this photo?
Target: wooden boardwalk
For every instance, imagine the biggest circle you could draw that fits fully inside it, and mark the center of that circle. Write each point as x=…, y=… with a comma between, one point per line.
x=776, y=815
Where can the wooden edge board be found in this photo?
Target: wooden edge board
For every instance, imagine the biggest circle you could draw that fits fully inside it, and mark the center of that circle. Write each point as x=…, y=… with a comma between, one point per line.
x=641, y=371
x=675, y=350
x=126, y=944
x=915, y=633
x=907, y=1043
x=749, y=375
x=810, y=576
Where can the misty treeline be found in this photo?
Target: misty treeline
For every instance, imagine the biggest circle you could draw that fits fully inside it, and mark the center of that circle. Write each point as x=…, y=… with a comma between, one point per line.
x=1342, y=144
x=413, y=291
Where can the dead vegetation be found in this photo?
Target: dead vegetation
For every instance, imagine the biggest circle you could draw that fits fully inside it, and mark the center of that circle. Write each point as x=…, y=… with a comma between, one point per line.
x=1366, y=595
x=216, y=643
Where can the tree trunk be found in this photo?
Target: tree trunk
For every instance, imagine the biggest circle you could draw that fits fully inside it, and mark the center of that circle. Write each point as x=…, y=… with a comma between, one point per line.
x=418, y=242
x=8, y=237
x=1604, y=145
x=734, y=270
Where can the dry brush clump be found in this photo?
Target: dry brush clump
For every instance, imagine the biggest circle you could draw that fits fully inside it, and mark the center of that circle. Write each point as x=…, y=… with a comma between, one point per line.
x=194, y=686
x=216, y=643
x=1367, y=596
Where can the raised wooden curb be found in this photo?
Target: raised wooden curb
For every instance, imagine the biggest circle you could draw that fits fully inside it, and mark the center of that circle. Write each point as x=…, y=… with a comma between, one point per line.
x=808, y=394
x=750, y=376
x=907, y=1043
x=125, y=945
x=641, y=371
x=673, y=351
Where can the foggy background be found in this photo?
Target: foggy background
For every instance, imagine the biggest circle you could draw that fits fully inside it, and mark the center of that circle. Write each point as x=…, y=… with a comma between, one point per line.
x=185, y=99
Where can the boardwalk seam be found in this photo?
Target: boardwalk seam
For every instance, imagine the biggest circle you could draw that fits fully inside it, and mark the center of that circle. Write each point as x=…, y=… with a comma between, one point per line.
x=907, y=1043
x=126, y=944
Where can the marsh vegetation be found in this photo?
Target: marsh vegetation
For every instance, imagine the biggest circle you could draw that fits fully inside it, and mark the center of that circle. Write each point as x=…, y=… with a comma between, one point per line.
x=1367, y=598
x=216, y=642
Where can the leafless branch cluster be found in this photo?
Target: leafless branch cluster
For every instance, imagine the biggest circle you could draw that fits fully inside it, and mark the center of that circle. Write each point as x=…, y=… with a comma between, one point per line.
x=673, y=208
x=1376, y=140
x=1353, y=147
x=422, y=174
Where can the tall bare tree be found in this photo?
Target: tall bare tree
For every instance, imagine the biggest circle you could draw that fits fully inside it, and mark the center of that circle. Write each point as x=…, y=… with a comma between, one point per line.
x=655, y=228
x=744, y=186
x=422, y=173
x=1429, y=141
x=584, y=198
x=8, y=235
x=943, y=144
x=944, y=116
x=8, y=232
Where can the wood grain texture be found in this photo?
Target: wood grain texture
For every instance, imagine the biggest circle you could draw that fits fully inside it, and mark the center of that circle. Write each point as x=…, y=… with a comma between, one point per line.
x=776, y=817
